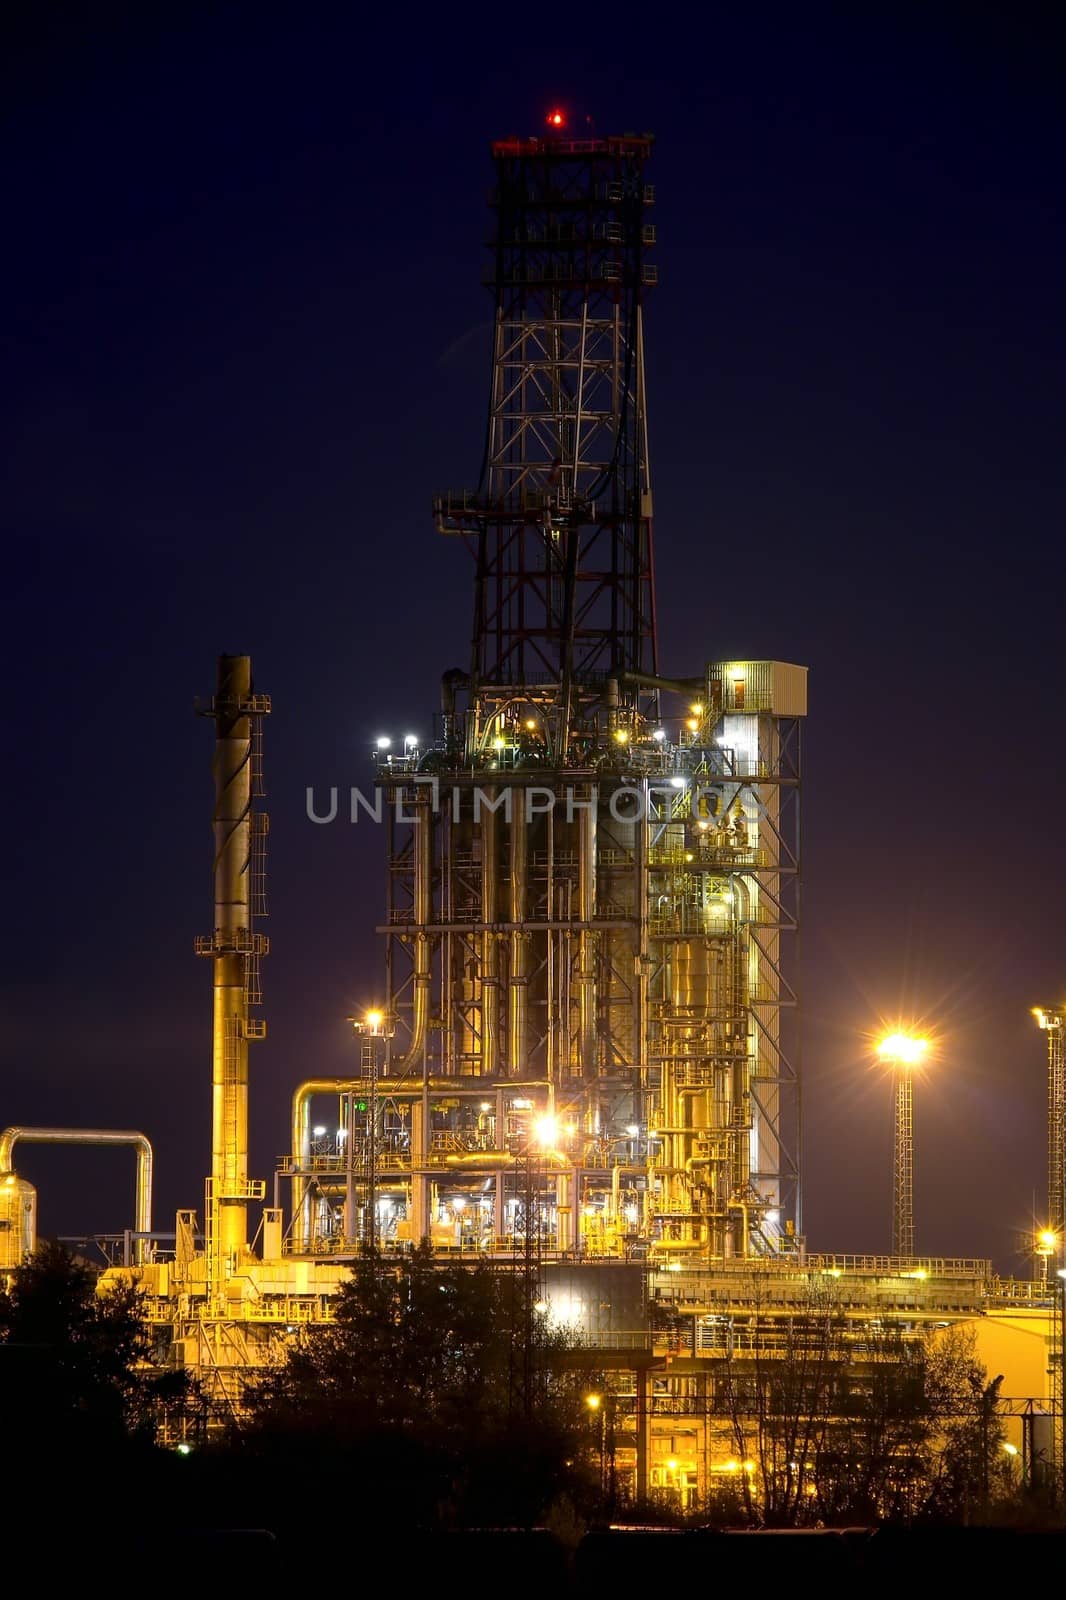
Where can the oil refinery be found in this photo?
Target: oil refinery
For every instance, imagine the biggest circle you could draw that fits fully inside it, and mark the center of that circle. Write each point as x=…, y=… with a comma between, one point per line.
x=584, y=1058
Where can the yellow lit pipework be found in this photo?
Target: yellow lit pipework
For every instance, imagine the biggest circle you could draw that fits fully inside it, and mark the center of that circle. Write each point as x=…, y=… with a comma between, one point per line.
x=93, y=1136
x=301, y=1149
x=234, y=948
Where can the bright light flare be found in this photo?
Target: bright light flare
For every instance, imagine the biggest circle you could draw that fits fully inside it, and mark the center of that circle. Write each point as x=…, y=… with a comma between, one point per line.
x=546, y=1132
x=556, y=118
x=374, y=1019
x=903, y=1049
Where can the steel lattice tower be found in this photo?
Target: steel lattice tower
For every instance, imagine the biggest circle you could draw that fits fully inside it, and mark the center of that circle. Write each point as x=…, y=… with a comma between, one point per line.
x=1052, y=1019
x=903, y=1169
x=592, y=870
x=560, y=524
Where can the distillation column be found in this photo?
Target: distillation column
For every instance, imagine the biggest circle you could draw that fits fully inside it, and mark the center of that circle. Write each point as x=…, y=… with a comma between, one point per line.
x=235, y=949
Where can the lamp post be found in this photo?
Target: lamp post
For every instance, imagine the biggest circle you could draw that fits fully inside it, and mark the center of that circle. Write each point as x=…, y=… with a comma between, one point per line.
x=1045, y=1247
x=371, y=1027
x=601, y=1408
x=1058, y=1365
x=541, y=1137
x=1051, y=1242
x=1051, y=1020
x=904, y=1053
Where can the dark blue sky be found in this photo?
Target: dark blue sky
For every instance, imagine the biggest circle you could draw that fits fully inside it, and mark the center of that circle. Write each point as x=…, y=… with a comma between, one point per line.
x=244, y=343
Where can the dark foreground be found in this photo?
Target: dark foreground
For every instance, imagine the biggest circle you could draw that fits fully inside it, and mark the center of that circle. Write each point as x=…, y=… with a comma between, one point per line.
x=919, y=1562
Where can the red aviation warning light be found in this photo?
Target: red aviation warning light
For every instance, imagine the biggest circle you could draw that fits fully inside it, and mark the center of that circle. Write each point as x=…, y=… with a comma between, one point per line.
x=556, y=119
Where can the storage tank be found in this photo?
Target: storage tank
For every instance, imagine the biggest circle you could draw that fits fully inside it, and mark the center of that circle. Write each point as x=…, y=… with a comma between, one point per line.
x=18, y=1220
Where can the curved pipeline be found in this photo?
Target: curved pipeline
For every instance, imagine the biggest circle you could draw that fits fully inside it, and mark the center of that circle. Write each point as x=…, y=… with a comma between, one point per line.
x=94, y=1136
x=301, y=1147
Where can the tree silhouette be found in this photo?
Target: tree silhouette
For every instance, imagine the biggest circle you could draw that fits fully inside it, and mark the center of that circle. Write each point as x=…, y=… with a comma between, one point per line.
x=406, y=1397
x=74, y=1364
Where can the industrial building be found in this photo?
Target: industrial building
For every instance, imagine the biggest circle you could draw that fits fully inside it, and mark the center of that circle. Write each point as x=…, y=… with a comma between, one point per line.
x=584, y=1056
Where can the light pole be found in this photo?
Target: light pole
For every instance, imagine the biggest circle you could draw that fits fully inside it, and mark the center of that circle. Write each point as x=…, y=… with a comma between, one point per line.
x=1051, y=1019
x=904, y=1053
x=601, y=1407
x=1058, y=1365
x=541, y=1137
x=371, y=1027
x=1052, y=1240
x=1044, y=1247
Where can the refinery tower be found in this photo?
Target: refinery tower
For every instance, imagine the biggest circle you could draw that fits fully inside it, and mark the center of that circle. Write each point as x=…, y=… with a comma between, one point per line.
x=592, y=868
x=580, y=1063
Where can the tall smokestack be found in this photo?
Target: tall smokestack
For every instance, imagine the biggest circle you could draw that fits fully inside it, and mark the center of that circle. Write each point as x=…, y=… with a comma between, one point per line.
x=235, y=950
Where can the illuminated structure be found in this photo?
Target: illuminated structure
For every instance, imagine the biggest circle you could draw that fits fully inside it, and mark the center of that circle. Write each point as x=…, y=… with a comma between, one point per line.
x=905, y=1054
x=1051, y=1020
x=1051, y=1241
x=235, y=949
x=582, y=1066
x=18, y=1199
x=592, y=868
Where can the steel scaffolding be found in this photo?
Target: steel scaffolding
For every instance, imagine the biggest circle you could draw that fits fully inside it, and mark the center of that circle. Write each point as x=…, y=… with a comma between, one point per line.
x=903, y=1166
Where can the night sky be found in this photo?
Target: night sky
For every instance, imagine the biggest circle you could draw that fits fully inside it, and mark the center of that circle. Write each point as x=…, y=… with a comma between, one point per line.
x=245, y=341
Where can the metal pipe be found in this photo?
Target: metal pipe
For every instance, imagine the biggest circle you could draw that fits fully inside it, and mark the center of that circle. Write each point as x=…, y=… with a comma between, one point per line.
x=227, y=1201
x=301, y=1130
x=586, y=910
x=617, y=1173
x=94, y=1136
x=301, y=1148
x=423, y=911
x=519, y=940
x=490, y=997
x=650, y=680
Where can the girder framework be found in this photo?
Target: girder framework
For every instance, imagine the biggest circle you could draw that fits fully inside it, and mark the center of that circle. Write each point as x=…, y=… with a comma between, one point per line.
x=1052, y=1020
x=903, y=1165
x=616, y=939
x=560, y=524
